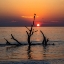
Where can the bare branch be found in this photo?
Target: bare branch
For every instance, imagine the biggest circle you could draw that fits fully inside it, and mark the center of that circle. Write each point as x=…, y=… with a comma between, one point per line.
x=27, y=33
x=34, y=19
x=15, y=39
x=34, y=16
x=12, y=37
x=27, y=28
x=33, y=23
x=41, y=31
x=7, y=42
x=45, y=40
x=36, y=31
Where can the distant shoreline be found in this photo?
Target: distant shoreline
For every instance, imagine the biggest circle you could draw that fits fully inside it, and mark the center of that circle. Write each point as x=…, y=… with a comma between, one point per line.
x=29, y=26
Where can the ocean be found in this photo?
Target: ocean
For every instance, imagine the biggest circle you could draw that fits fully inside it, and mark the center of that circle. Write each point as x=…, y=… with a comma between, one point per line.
x=50, y=54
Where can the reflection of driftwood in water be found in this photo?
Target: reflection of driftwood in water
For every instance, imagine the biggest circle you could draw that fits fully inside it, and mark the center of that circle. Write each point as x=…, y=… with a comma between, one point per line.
x=45, y=40
x=45, y=50
x=7, y=42
x=15, y=40
x=30, y=31
x=10, y=47
x=29, y=52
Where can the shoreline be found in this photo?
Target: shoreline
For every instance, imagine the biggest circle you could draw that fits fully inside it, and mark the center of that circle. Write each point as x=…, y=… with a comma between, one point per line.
x=48, y=61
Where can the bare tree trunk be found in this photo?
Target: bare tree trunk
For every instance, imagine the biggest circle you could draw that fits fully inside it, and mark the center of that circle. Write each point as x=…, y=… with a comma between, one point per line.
x=30, y=31
x=29, y=40
x=45, y=40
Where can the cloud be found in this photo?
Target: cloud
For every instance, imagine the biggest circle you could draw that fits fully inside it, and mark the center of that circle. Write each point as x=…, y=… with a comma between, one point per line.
x=28, y=16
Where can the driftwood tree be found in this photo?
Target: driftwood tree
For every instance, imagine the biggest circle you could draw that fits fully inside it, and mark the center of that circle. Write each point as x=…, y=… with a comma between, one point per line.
x=15, y=39
x=12, y=37
x=30, y=31
x=45, y=40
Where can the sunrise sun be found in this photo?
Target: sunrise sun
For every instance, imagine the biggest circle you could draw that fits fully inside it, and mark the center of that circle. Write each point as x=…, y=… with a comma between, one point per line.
x=38, y=25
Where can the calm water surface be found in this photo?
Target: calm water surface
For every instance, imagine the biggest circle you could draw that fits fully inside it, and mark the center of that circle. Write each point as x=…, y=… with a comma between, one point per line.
x=36, y=52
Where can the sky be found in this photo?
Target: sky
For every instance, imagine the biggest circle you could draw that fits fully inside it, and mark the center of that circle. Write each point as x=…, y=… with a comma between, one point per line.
x=21, y=12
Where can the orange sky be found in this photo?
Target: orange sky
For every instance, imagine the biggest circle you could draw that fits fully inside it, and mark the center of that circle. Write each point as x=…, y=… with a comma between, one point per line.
x=29, y=7
x=47, y=9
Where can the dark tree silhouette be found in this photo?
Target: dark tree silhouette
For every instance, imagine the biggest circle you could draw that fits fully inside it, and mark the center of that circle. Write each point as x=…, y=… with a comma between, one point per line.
x=45, y=40
x=30, y=31
x=15, y=40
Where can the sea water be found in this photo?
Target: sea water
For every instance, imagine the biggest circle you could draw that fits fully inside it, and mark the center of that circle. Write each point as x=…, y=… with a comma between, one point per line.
x=36, y=52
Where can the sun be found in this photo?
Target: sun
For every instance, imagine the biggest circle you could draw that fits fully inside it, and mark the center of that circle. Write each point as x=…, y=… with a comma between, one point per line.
x=38, y=25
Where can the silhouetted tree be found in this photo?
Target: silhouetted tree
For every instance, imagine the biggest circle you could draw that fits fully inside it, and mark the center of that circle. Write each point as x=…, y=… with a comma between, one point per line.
x=45, y=40
x=30, y=31
x=15, y=40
